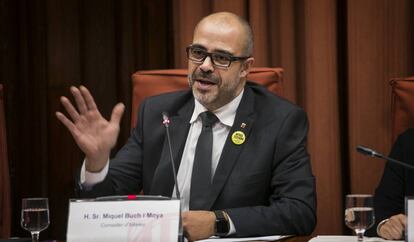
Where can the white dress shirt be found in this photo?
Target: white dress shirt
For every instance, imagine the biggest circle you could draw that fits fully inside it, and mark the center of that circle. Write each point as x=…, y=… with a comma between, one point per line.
x=221, y=129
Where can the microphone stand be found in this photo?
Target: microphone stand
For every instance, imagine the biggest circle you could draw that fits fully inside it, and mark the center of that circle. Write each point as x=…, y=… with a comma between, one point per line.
x=370, y=152
x=166, y=122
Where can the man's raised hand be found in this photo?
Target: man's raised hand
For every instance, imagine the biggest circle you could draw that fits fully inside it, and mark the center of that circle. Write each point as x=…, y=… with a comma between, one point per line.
x=94, y=135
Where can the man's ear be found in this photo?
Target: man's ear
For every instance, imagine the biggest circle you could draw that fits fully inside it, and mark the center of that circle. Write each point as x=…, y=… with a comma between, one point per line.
x=247, y=66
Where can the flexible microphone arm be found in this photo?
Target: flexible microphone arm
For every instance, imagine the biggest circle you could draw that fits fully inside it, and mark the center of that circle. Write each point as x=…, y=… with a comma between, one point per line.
x=370, y=152
x=166, y=123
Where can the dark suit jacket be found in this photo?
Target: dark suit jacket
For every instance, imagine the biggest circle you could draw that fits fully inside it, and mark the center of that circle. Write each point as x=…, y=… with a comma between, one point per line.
x=396, y=182
x=265, y=184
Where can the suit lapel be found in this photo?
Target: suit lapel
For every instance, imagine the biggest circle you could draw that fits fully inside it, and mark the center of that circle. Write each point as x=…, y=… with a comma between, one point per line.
x=163, y=181
x=243, y=122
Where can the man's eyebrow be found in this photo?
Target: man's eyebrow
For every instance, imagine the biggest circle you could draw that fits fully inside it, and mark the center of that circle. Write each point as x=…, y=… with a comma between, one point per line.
x=214, y=51
x=223, y=52
x=199, y=46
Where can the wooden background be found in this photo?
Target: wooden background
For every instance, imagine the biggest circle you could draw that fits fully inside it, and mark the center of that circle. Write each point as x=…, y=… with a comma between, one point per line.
x=338, y=56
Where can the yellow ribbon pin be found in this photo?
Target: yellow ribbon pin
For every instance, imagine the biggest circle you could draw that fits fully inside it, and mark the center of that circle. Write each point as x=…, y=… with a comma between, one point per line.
x=238, y=137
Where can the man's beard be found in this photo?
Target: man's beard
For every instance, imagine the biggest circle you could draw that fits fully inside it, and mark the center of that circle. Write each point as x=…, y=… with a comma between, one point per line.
x=207, y=99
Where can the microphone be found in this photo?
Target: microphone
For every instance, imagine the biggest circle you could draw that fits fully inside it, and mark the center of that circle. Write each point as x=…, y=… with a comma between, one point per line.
x=166, y=123
x=367, y=151
x=370, y=152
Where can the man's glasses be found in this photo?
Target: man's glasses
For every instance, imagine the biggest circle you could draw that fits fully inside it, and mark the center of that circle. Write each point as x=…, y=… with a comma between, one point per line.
x=198, y=55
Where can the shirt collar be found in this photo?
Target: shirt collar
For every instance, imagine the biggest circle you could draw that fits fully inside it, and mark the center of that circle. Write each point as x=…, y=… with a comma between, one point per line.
x=225, y=114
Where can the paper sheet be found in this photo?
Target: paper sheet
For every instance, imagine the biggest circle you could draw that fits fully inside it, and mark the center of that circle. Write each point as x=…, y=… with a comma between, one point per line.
x=344, y=238
x=262, y=238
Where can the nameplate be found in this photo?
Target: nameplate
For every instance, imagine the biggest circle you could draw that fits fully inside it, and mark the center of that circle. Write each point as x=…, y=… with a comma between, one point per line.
x=409, y=205
x=123, y=221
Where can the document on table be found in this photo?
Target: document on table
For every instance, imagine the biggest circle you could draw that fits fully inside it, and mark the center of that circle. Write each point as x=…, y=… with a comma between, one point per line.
x=262, y=238
x=347, y=238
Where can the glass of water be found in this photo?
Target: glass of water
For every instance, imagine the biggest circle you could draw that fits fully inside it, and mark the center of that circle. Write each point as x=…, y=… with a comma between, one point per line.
x=35, y=216
x=359, y=213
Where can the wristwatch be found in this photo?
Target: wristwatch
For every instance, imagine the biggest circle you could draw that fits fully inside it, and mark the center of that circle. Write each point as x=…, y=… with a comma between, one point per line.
x=222, y=227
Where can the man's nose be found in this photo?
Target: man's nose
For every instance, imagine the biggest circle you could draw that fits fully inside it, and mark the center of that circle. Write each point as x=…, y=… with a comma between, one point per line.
x=207, y=65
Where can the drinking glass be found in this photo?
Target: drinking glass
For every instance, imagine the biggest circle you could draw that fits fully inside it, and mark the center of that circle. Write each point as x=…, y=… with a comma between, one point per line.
x=359, y=213
x=35, y=215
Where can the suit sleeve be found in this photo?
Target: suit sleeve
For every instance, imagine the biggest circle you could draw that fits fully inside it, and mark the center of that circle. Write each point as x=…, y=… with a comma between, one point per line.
x=125, y=169
x=292, y=204
x=389, y=195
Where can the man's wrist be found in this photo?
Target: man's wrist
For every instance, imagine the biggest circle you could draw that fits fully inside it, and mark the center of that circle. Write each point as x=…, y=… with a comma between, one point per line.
x=89, y=179
x=380, y=225
x=95, y=164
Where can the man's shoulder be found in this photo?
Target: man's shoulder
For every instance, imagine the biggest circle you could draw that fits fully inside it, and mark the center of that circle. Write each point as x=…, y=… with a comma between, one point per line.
x=267, y=102
x=169, y=98
x=406, y=143
x=408, y=135
x=170, y=102
x=169, y=95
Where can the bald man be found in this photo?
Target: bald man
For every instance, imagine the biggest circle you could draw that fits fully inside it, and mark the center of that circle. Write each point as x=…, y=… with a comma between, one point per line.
x=243, y=167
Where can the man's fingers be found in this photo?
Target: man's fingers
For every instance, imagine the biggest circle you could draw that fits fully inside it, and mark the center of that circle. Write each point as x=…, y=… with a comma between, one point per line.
x=73, y=113
x=89, y=101
x=397, y=224
x=401, y=218
x=395, y=233
x=71, y=127
x=388, y=233
x=394, y=229
x=80, y=101
x=117, y=113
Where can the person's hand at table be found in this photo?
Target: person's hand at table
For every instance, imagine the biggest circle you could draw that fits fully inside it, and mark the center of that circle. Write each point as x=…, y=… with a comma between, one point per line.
x=198, y=224
x=94, y=135
x=393, y=228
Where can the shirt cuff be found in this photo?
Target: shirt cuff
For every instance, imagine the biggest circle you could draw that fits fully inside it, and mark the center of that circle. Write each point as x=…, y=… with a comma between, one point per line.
x=89, y=179
x=232, y=228
x=380, y=224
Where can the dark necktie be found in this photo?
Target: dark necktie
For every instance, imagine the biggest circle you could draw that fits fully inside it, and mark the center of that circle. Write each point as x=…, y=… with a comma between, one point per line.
x=201, y=175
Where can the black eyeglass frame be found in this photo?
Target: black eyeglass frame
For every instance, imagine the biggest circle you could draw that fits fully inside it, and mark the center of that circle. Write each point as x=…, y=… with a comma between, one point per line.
x=210, y=54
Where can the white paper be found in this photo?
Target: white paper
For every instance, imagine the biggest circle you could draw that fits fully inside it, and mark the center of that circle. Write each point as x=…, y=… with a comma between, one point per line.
x=123, y=221
x=347, y=238
x=410, y=219
x=262, y=238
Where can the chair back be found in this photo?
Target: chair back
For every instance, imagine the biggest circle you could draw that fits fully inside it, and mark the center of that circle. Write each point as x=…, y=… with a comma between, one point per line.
x=154, y=82
x=402, y=105
x=5, y=218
